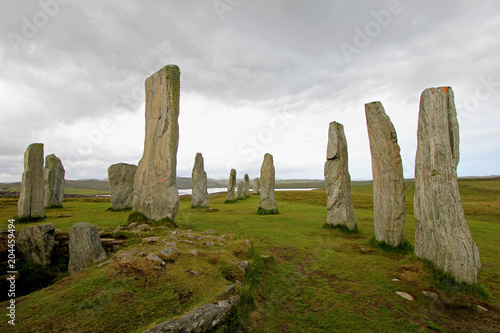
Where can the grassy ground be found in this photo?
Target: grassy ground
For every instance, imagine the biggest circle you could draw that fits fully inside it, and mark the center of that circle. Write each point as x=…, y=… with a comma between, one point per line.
x=322, y=280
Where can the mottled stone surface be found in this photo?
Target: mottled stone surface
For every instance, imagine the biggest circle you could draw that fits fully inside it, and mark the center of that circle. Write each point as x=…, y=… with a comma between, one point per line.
x=31, y=198
x=84, y=247
x=338, y=181
x=231, y=186
x=121, y=184
x=155, y=194
x=256, y=186
x=35, y=243
x=267, y=183
x=239, y=190
x=388, y=180
x=246, y=185
x=199, y=178
x=54, y=181
x=442, y=235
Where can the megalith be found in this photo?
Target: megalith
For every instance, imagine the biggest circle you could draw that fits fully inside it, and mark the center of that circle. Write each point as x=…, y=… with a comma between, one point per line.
x=121, y=184
x=54, y=181
x=199, y=196
x=246, y=185
x=442, y=235
x=155, y=194
x=256, y=186
x=31, y=198
x=35, y=243
x=240, y=190
x=388, y=180
x=338, y=181
x=267, y=203
x=231, y=185
x=84, y=247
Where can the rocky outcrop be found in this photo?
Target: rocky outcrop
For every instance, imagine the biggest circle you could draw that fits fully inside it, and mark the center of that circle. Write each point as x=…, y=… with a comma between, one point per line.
x=199, y=197
x=267, y=201
x=388, y=180
x=155, y=194
x=231, y=185
x=246, y=185
x=121, y=185
x=338, y=181
x=31, y=199
x=35, y=243
x=256, y=186
x=54, y=181
x=442, y=235
x=84, y=247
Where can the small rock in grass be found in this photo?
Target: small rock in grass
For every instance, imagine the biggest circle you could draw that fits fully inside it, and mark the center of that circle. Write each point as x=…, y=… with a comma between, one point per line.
x=144, y=227
x=243, y=265
x=405, y=295
x=482, y=308
x=395, y=280
x=194, y=252
x=429, y=294
x=150, y=240
x=208, y=244
x=168, y=251
x=132, y=225
x=154, y=257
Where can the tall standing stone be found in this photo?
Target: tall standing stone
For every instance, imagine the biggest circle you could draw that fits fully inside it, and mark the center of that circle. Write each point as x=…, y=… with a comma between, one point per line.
x=199, y=197
x=267, y=203
x=240, y=190
x=155, y=194
x=388, y=180
x=338, y=181
x=231, y=185
x=54, y=181
x=84, y=247
x=442, y=235
x=31, y=198
x=256, y=186
x=121, y=184
x=246, y=185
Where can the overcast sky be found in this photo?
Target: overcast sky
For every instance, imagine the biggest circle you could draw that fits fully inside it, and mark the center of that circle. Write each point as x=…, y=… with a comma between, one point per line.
x=256, y=77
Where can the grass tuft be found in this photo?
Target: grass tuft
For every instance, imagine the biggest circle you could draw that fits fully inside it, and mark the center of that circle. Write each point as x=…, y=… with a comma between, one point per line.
x=111, y=209
x=342, y=228
x=139, y=217
x=231, y=201
x=404, y=248
x=262, y=211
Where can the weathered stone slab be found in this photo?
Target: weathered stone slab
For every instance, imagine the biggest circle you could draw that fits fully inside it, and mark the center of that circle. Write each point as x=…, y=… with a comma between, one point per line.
x=54, y=181
x=388, y=180
x=199, y=197
x=231, y=186
x=35, y=243
x=338, y=181
x=267, y=182
x=246, y=185
x=121, y=184
x=155, y=194
x=31, y=198
x=442, y=235
x=84, y=247
x=256, y=186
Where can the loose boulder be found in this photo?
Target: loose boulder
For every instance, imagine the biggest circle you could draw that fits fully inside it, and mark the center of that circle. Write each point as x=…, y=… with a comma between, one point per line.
x=388, y=180
x=155, y=194
x=121, y=184
x=54, y=181
x=231, y=185
x=442, y=235
x=84, y=247
x=35, y=243
x=31, y=198
x=267, y=203
x=246, y=185
x=199, y=197
x=256, y=186
x=338, y=181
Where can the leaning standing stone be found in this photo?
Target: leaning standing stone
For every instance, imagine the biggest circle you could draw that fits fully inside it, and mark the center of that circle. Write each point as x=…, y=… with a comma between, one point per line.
x=442, y=235
x=199, y=197
x=155, y=194
x=35, y=243
x=31, y=198
x=256, y=186
x=267, y=204
x=246, y=185
x=239, y=191
x=231, y=185
x=84, y=247
x=388, y=180
x=338, y=181
x=54, y=181
x=121, y=184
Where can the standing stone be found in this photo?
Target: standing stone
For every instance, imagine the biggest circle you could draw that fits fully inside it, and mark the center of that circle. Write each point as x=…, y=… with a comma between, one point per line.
x=199, y=197
x=31, y=198
x=231, y=185
x=84, y=247
x=239, y=191
x=442, y=235
x=155, y=194
x=267, y=204
x=121, y=184
x=35, y=243
x=256, y=186
x=338, y=181
x=246, y=185
x=54, y=181
x=388, y=180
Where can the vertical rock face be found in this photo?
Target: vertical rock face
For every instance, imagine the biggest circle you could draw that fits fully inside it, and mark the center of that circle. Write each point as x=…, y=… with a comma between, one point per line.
x=442, y=235
x=267, y=183
x=84, y=247
x=246, y=185
x=54, y=181
x=256, y=186
x=231, y=185
x=337, y=178
x=121, y=184
x=239, y=191
x=199, y=177
x=155, y=194
x=31, y=198
x=35, y=243
x=388, y=181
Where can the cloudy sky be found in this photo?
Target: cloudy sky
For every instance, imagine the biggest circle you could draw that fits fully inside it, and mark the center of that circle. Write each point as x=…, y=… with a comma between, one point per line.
x=256, y=77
